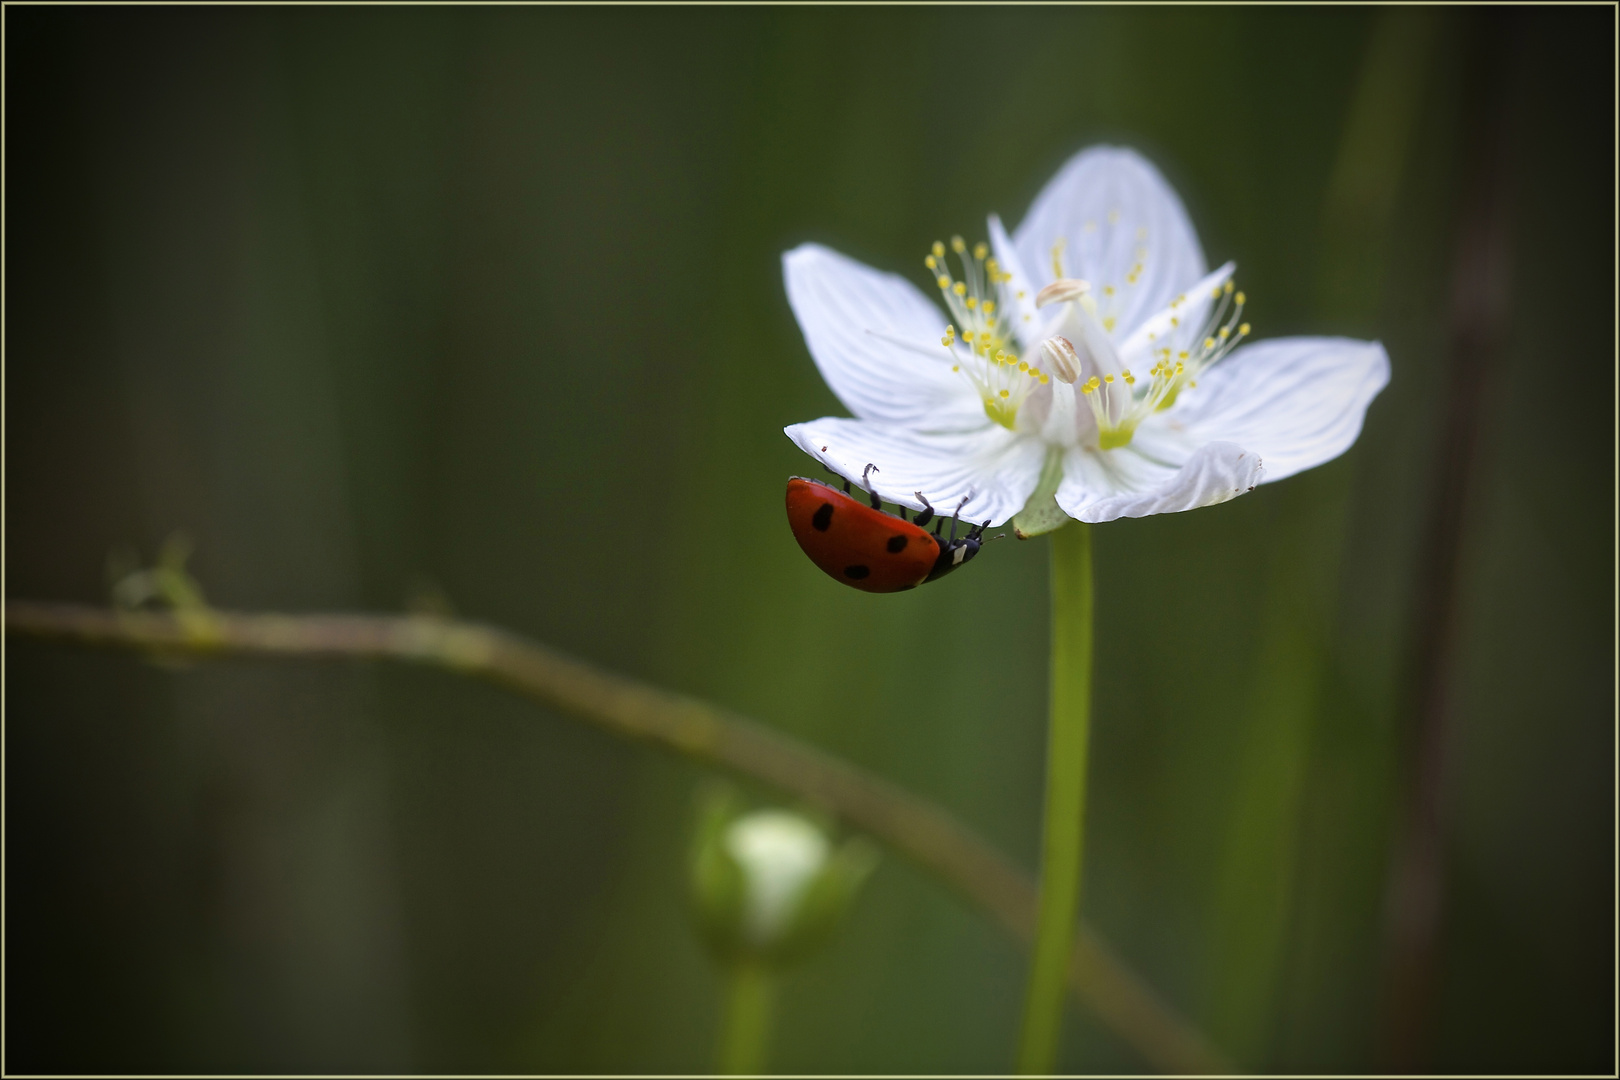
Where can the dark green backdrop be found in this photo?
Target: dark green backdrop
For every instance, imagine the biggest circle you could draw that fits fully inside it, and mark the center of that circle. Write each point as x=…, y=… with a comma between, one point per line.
x=488, y=302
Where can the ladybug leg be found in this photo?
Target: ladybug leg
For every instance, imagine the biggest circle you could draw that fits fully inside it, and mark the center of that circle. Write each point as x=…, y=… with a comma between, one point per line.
x=958, y=514
x=877, y=503
x=926, y=514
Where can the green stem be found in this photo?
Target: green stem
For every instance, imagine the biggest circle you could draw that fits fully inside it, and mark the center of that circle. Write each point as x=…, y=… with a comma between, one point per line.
x=745, y=1028
x=1063, y=830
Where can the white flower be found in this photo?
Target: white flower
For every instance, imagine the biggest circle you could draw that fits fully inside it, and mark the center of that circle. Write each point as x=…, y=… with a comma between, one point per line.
x=1093, y=340
x=779, y=854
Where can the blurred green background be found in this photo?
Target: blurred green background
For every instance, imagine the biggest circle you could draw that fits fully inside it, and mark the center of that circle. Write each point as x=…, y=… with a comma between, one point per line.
x=373, y=303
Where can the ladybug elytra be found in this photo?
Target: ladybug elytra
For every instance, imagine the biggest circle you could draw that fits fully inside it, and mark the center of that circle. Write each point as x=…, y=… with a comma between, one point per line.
x=869, y=549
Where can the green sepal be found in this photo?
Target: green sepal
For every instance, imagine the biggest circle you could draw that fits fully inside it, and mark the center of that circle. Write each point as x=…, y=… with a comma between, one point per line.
x=1041, y=514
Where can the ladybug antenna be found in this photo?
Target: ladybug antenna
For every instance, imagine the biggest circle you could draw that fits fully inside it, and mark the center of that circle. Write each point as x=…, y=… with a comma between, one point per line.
x=877, y=503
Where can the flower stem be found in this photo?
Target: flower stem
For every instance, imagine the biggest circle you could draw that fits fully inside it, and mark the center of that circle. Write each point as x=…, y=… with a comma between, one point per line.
x=745, y=1029
x=1063, y=830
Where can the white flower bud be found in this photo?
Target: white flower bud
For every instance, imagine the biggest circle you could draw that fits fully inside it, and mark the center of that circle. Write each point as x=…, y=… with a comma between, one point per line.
x=1058, y=356
x=769, y=887
x=779, y=855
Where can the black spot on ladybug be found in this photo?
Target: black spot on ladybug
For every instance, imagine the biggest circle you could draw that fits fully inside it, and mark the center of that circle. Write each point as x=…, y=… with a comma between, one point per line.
x=822, y=518
x=857, y=571
x=897, y=543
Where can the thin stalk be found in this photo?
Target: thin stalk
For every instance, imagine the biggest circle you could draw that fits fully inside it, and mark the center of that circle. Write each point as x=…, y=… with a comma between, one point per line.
x=1063, y=829
x=745, y=1027
x=708, y=734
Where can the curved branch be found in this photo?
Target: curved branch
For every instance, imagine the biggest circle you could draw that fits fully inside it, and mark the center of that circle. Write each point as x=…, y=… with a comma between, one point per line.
x=913, y=827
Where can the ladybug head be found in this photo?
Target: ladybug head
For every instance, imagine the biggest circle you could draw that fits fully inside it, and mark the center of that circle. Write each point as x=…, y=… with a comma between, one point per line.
x=954, y=552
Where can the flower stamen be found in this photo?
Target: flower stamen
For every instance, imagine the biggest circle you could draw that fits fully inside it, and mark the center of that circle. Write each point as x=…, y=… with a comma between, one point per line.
x=1003, y=379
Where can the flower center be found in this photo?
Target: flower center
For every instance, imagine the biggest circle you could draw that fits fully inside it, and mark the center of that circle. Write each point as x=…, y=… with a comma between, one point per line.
x=1115, y=401
x=986, y=355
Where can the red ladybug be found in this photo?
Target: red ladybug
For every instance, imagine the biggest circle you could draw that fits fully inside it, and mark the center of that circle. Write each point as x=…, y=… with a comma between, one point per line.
x=869, y=549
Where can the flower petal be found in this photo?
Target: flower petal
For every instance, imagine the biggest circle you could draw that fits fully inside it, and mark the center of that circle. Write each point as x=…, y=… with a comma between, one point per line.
x=1107, y=206
x=993, y=465
x=1108, y=484
x=854, y=319
x=1018, y=295
x=1297, y=402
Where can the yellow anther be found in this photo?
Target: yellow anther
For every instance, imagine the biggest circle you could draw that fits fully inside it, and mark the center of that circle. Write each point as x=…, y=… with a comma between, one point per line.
x=1108, y=324
x=1006, y=393
x=989, y=306
x=956, y=367
x=1130, y=380
x=959, y=289
x=1001, y=356
x=931, y=262
x=1023, y=365
x=1240, y=298
x=1044, y=379
x=1225, y=333
x=967, y=335
x=943, y=281
x=980, y=250
x=1108, y=378
x=1209, y=343
x=1020, y=293
x=1228, y=288
x=1216, y=295
x=1182, y=354
x=938, y=250
x=1174, y=321
x=1108, y=290
x=972, y=302
x=958, y=245
x=991, y=265
x=1244, y=329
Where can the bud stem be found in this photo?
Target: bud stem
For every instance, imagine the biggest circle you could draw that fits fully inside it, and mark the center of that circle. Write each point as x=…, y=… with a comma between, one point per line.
x=1063, y=830
x=745, y=1028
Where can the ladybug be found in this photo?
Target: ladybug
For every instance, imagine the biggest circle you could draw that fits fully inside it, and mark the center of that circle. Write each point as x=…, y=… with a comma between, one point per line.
x=871, y=550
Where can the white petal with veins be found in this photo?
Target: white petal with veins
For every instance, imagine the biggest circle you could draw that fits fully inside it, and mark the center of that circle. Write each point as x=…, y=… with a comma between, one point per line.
x=1021, y=290
x=1111, y=211
x=1298, y=402
x=997, y=467
x=851, y=316
x=1105, y=485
